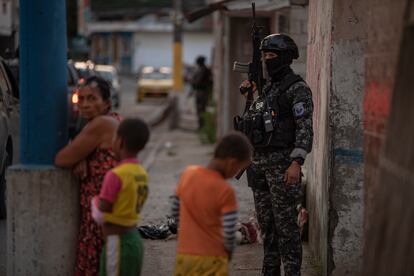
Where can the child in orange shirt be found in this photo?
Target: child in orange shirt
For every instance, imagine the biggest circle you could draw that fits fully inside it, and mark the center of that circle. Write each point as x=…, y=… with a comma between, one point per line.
x=123, y=193
x=205, y=208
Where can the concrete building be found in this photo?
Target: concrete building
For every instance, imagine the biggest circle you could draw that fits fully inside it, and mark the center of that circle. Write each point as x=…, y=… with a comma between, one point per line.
x=232, y=42
x=335, y=169
x=131, y=35
x=146, y=42
x=359, y=190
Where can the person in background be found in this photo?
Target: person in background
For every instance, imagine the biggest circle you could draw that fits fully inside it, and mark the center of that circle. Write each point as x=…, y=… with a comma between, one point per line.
x=201, y=83
x=205, y=208
x=90, y=156
x=120, y=201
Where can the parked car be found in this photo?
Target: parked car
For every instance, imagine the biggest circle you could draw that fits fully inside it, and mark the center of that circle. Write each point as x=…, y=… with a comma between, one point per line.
x=9, y=127
x=154, y=82
x=85, y=69
x=110, y=74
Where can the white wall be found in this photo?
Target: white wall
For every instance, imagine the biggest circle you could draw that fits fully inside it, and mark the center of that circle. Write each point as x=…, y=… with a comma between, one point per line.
x=6, y=23
x=195, y=44
x=155, y=49
x=152, y=49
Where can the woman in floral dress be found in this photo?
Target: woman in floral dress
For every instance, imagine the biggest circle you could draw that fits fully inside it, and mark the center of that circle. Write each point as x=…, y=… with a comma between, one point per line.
x=90, y=156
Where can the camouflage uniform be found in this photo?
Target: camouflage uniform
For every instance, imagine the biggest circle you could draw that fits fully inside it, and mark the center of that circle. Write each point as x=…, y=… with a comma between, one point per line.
x=276, y=201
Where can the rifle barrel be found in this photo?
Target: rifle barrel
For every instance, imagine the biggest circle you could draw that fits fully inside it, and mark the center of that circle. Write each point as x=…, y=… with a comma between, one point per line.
x=254, y=11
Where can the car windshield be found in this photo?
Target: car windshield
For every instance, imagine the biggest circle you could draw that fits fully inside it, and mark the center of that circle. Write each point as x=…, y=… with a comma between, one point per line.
x=107, y=75
x=156, y=75
x=84, y=72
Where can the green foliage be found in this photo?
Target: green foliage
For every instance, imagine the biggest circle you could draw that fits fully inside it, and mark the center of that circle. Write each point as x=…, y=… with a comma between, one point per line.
x=208, y=131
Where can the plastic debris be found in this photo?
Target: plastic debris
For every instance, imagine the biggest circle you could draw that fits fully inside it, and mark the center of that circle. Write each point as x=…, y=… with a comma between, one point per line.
x=158, y=232
x=248, y=232
x=303, y=216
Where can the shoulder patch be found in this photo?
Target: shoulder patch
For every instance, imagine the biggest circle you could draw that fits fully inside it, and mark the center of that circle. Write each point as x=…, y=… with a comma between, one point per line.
x=299, y=109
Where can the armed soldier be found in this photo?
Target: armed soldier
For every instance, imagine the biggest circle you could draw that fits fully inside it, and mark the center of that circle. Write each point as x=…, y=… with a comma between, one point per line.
x=279, y=124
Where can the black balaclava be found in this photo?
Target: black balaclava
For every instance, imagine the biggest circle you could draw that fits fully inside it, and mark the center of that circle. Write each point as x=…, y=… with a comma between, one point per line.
x=279, y=66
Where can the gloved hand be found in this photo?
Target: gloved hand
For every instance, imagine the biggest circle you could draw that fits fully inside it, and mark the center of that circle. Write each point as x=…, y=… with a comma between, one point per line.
x=246, y=87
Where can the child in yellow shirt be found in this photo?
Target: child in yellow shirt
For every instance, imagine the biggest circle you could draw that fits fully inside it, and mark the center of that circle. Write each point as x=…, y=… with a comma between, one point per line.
x=123, y=193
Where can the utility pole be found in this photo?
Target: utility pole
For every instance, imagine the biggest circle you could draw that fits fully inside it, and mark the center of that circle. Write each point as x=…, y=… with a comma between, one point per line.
x=177, y=62
x=42, y=201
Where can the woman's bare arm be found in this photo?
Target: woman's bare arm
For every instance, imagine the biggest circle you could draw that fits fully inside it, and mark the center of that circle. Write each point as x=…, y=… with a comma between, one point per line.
x=85, y=142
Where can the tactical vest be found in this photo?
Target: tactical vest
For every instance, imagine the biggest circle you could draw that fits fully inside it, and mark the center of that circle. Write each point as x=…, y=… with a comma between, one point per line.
x=253, y=123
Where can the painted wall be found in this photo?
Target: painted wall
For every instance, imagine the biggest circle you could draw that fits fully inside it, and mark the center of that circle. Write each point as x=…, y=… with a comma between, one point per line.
x=154, y=49
x=195, y=44
x=335, y=169
x=391, y=250
x=112, y=48
x=385, y=25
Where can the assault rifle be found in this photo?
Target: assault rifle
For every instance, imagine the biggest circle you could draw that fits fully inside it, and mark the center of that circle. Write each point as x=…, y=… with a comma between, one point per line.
x=254, y=71
x=254, y=68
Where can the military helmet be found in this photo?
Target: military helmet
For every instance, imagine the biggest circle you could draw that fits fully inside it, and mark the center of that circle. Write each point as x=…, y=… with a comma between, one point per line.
x=280, y=43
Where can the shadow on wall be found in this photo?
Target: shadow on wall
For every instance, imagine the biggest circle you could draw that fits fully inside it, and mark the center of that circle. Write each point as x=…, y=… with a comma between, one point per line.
x=389, y=248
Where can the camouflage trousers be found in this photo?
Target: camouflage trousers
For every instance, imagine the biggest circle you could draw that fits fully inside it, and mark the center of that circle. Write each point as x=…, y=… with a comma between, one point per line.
x=275, y=204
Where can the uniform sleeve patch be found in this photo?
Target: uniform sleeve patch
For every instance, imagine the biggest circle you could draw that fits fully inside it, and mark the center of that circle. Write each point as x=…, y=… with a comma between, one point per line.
x=299, y=109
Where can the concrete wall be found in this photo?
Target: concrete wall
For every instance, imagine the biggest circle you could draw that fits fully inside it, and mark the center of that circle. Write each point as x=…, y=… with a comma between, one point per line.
x=298, y=30
x=385, y=31
x=346, y=109
x=42, y=221
x=335, y=169
x=318, y=163
x=196, y=44
x=390, y=251
x=154, y=49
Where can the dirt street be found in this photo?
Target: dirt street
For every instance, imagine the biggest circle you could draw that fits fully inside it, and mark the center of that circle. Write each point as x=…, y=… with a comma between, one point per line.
x=174, y=150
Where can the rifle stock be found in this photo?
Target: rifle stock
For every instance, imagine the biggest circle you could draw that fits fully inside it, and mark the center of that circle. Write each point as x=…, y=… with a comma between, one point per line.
x=254, y=68
x=239, y=174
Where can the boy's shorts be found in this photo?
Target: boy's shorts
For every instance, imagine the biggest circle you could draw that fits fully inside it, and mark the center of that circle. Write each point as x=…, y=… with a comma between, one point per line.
x=122, y=255
x=192, y=265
